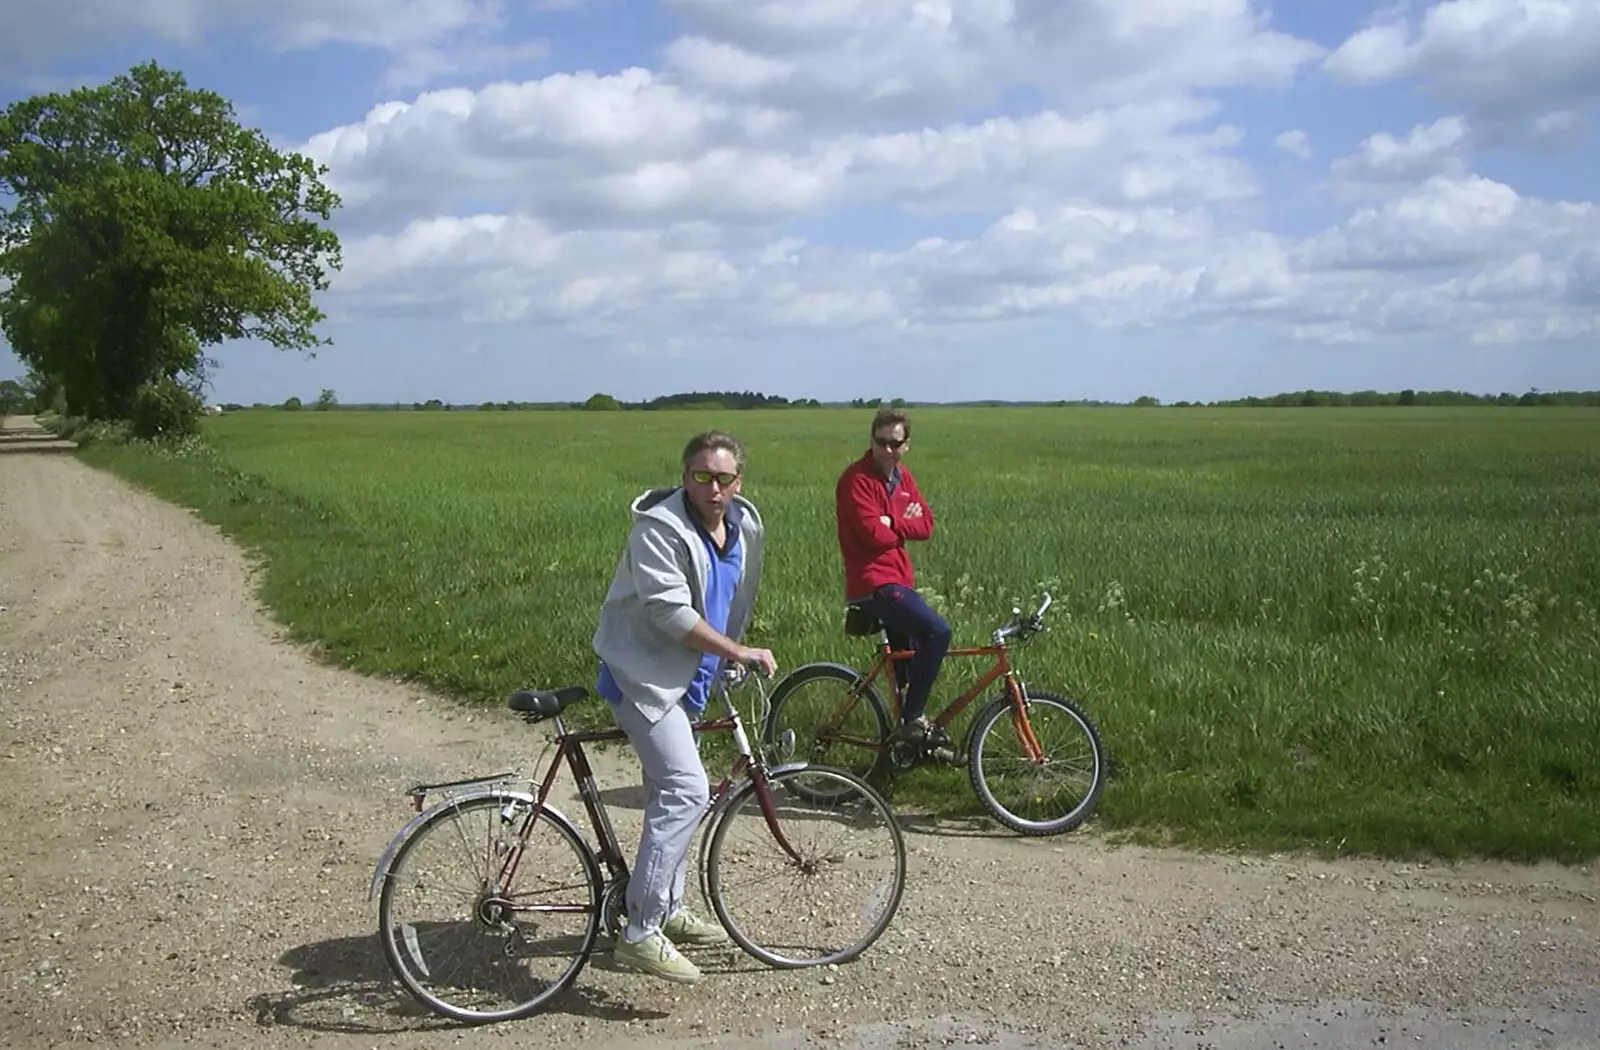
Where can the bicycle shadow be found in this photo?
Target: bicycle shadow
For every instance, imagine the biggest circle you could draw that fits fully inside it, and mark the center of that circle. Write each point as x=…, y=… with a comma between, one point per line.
x=627, y=796
x=344, y=985
x=953, y=826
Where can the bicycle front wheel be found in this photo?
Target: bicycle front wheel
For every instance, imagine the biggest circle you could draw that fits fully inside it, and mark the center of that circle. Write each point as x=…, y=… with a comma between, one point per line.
x=1037, y=769
x=806, y=866
x=467, y=942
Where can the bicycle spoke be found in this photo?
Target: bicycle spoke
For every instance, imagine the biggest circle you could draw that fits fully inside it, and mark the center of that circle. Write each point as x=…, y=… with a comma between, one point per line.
x=839, y=896
x=1054, y=793
x=464, y=946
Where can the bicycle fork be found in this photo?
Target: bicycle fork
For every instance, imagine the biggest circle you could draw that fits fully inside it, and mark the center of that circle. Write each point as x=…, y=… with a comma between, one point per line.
x=1020, y=723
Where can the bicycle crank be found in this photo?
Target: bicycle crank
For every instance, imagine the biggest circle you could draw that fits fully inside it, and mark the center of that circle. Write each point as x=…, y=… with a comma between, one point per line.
x=935, y=748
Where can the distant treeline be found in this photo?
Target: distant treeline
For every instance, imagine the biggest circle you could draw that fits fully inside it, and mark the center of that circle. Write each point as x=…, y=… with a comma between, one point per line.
x=1364, y=398
x=740, y=400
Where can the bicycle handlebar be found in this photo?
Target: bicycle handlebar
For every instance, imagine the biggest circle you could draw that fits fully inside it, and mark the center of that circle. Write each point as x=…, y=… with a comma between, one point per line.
x=1021, y=627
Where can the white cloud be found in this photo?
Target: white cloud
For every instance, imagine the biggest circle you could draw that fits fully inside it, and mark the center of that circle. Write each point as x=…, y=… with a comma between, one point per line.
x=842, y=62
x=1294, y=142
x=1464, y=258
x=926, y=166
x=1507, y=58
x=1429, y=149
x=634, y=149
x=1451, y=221
x=426, y=38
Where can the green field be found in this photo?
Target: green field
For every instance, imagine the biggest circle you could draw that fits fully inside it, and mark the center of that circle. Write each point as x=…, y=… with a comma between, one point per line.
x=1348, y=630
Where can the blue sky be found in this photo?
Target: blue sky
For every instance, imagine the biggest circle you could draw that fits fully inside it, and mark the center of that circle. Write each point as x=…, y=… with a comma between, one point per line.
x=934, y=199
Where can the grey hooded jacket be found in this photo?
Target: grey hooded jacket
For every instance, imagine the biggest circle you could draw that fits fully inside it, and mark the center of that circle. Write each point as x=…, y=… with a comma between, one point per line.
x=658, y=593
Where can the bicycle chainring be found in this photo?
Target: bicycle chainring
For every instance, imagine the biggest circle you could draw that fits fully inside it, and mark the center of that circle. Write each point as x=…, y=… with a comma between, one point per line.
x=614, y=907
x=904, y=754
x=935, y=747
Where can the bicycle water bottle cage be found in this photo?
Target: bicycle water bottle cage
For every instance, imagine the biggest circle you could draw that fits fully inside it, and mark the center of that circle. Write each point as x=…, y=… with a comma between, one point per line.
x=859, y=623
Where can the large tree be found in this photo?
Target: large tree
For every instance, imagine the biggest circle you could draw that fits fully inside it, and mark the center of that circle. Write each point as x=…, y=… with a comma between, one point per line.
x=147, y=224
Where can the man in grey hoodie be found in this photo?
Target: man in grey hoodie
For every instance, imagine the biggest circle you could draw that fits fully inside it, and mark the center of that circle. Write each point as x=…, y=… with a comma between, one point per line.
x=679, y=601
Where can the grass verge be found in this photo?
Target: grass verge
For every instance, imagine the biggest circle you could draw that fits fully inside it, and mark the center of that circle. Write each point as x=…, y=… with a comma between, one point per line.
x=1356, y=631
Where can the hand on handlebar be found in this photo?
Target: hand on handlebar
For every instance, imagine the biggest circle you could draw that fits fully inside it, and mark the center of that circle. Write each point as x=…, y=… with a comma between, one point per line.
x=760, y=659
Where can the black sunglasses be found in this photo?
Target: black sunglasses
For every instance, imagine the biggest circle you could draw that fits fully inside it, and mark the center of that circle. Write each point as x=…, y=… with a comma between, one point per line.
x=888, y=442
x=723, y=477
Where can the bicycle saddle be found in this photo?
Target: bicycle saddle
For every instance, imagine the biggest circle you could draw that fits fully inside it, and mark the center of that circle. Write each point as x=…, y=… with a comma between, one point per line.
x=546, y=702
x=859, y=622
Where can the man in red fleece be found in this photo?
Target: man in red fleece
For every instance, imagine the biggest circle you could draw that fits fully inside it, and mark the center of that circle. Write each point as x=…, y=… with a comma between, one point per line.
x=877, y=509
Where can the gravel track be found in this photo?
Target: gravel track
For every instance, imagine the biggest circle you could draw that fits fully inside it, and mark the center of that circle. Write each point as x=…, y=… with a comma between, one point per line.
x=195, y=806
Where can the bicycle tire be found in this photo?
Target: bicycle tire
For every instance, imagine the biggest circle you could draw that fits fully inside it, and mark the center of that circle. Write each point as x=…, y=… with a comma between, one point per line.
x=859, y=761
x=856, y=791
x=401, y=957
x=985, y=723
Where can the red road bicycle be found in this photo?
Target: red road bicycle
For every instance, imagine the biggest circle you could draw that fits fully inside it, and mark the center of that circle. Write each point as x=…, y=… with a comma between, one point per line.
x=1034, y=757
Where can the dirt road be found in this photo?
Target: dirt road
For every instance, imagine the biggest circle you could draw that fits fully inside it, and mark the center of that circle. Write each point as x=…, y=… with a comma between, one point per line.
x=193, y=809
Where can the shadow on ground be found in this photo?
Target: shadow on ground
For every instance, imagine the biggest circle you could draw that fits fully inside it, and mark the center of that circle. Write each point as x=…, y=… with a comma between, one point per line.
x=345, y=985
x=17, y=437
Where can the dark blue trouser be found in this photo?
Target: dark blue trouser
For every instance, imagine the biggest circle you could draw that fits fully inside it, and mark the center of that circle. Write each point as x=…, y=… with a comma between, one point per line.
x=911, y=624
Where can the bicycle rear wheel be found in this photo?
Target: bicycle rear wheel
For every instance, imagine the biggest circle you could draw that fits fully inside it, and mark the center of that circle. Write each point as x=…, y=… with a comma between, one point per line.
x=806, y=866
x=1047, y=796
x=837, y=719
x=470, y=948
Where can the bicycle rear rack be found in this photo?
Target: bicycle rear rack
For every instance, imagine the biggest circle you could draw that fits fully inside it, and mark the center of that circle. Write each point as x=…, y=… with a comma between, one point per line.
x=419, y=792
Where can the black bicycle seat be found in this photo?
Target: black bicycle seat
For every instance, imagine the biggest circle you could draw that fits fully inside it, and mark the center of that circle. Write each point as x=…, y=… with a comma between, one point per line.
x=546, y=702
x=860, y=623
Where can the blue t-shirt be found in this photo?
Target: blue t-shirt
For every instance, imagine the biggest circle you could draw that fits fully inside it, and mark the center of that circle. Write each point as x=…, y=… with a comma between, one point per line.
x=719, y=585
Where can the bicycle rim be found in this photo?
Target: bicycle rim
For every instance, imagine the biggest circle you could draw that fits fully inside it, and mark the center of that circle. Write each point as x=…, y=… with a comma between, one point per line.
x=820, y=881
x=1027, y=795
x=474, y=951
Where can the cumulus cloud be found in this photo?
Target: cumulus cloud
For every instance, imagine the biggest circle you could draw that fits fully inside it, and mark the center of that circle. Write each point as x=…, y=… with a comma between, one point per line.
x=426, y=38
x=1451, y=221
x=1505, y=58
x=1464, y=258
x=1429, y=149
x=632, y=148
x=918, y=60
x=1294, y=142
x=928, y=165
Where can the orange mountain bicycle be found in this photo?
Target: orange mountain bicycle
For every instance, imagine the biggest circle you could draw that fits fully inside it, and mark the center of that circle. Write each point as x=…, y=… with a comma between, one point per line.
x=1034, y=757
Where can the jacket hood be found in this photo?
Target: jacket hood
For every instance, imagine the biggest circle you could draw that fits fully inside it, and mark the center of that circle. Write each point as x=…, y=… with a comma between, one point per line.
x=670, y=505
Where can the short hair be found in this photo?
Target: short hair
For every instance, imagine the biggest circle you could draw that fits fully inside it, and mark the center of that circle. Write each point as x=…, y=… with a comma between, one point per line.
x=714, y=439
x=888, y=417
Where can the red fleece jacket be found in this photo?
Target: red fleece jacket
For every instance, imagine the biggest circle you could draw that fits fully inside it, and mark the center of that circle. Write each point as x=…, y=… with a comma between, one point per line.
x=874, y=553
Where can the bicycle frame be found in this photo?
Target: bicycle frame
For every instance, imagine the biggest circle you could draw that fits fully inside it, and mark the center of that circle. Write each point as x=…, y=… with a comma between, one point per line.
x=570, y=752
x=887, y=656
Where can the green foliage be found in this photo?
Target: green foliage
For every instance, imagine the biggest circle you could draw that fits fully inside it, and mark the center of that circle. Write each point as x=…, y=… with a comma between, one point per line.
x=291, y=404
x=601, y=403
x=697, y=399
x=325, y=400
x=146, y=225
x=1353, y=630
x=1410, y=398
x=165, y=410
x=13, y=398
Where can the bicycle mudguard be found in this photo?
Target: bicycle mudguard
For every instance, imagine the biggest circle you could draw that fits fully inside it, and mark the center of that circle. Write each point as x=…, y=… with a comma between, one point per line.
x=708, y=819
x=854, y=672
x=381, y=870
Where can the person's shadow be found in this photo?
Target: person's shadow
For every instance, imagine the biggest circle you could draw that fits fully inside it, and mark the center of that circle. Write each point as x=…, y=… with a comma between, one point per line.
x=345, y=985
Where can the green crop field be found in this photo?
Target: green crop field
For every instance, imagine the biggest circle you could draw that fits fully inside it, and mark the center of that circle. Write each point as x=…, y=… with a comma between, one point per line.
x=1356, y=630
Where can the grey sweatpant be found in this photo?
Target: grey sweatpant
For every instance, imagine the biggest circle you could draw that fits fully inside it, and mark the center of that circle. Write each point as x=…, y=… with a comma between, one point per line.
x=676, y=792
